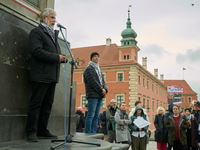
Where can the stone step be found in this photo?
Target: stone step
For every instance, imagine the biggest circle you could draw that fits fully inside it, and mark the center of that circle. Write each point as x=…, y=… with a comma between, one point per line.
x=45, y=144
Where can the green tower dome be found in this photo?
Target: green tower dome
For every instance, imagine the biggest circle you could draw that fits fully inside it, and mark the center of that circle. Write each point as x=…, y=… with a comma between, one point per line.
x=128, y=34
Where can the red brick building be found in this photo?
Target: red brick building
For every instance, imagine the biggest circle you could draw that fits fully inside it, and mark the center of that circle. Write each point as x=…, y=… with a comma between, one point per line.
x=188, y=94
x=126, y=79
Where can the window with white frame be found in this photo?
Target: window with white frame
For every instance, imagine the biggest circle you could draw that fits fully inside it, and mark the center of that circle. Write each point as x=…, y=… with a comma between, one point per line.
x=127, y=57
x=104, y=76
x=156, y=88
x=143, y=81
x=83, y=100
x=147, y=102
x=103, y=105
x=157, y=104
x=120, y=76
x=139, y=79
x=183, y=100
x=139, y=97
x=189, y=99
x=153, y=86
x=153, y=104
x=144, y=105
x=120, y=98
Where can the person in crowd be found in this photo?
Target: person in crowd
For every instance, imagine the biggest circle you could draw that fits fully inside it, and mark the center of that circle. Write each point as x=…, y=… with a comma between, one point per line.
x=192, y=142
x=122, y=120
x=44, y=74
x=96, y=89
x=196, y=111
x=170, y=112
x=80, y=120
x=139, y=103
x=177, y=123
x=100, y=125
x=110, y=114
x=103, y=119
x=86, y=106
x=140, y=136
x=161, y=132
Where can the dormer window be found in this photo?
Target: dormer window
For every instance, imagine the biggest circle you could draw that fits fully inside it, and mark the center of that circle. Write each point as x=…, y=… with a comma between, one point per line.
x=79, y=61
x=127, y=57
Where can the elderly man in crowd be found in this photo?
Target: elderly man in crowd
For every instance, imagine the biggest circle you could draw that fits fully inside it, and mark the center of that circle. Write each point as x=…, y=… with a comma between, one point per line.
x=110, y=114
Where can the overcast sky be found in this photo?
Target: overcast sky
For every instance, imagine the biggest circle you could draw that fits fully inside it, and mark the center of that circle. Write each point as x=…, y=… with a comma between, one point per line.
x=168, y=31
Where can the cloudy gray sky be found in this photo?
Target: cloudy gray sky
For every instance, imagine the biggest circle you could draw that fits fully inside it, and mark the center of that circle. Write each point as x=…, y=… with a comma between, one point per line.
x=168, y=31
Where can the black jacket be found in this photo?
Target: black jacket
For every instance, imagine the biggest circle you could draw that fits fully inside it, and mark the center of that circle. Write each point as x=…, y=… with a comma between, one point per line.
x=81, y=124
x=92, y=84
x=161, y=132
x=197, y=115
x=103, y=118
x=45, y=65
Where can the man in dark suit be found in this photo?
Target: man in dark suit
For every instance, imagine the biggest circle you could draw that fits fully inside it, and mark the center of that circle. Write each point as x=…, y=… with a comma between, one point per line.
x=96, y=89
x=44, y=74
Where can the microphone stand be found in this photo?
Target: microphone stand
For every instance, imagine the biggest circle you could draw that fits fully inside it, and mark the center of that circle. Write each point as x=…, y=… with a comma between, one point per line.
x=68, y=138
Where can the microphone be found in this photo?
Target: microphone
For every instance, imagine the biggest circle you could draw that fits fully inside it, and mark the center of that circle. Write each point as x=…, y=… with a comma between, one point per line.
x=60, y=26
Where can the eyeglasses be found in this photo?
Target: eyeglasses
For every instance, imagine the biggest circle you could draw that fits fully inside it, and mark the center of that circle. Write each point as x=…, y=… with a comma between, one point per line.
x=175, y=108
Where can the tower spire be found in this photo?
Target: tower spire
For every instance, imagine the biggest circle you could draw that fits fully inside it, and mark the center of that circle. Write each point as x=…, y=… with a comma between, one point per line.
x=128, y=23
x=128, y=34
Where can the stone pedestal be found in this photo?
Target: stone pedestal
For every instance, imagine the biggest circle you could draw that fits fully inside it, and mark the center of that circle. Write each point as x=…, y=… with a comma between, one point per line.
x=14, y=81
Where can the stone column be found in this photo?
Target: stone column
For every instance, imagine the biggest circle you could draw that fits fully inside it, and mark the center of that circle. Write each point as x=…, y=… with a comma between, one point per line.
x=132, y=86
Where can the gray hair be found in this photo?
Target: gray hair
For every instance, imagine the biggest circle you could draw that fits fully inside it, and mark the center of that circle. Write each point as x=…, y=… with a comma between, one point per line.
x=46, y=12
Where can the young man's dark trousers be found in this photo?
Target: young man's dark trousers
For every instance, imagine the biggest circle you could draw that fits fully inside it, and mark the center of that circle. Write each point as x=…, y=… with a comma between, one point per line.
x=40, y=107
x=178, y=146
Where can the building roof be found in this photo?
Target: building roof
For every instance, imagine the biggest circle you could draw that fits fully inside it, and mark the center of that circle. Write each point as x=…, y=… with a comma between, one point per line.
x=109, y=55
x=186, y=88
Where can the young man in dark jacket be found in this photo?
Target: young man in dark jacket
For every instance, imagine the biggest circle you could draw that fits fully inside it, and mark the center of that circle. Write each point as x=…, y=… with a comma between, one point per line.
x=177, y=124
x=44, y=74
x=110, y=116
x=196, y=111
x=170, y=107
x=96, y=89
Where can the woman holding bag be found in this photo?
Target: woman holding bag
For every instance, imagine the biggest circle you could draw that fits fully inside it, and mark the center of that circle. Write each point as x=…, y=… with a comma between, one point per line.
x=161, y=132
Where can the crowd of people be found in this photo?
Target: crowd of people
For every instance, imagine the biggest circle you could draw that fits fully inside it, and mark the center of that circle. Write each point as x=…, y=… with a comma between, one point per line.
x=173, y=129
